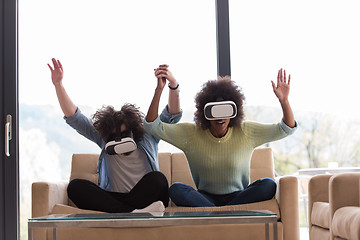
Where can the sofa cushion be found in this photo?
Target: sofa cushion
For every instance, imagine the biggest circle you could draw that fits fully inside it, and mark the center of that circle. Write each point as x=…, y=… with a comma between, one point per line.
x=180, y=171
x=165, y=165
x=320, y=215
x=262, y=164
x=346, y=223
x=270, y=205
x=84, y=166
x=66, y=209
x=319, y=233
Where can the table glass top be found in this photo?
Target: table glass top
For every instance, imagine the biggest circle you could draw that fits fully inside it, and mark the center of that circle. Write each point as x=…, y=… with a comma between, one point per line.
x=210, y=214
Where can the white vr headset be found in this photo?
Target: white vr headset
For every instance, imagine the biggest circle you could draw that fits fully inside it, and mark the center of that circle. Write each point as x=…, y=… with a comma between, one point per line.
x=220, y=110
x=123, y=143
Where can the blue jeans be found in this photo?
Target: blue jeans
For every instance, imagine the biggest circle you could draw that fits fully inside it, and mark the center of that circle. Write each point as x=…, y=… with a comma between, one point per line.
x=184, y=195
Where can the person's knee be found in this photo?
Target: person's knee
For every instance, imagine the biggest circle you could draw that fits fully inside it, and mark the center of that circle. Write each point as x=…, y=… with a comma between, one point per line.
x=158, y=178
x=177, y=189
x=269, y=187
x=173, y=190
x=74, y=186
x=174, y=186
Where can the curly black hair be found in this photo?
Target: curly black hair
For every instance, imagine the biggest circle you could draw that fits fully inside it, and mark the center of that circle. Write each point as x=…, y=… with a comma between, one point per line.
x=106, y=118
x=226, y=90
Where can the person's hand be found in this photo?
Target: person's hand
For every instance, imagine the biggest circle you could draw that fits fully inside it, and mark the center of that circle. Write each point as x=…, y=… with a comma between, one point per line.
x=282, y=89
x=162, y=73
x=57, y=73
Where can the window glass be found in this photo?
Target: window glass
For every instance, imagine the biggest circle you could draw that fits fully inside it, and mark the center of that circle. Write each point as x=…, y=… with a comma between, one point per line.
x=108, y=50
x=318, y=44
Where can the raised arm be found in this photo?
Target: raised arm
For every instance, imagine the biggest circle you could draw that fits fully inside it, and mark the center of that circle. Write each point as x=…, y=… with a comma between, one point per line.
x=154, y=106
x=162, y=74
x=174, y=100
x=57, y=74
x=282, y=90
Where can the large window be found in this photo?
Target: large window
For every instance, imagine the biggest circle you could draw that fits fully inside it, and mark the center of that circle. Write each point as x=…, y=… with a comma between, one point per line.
x=109, y=50
x=317, y=43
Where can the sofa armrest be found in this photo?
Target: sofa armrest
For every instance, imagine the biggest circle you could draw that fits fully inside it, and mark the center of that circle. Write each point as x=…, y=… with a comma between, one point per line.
x=343, y=191
x=45, y=195
x=318, y=191
x=287, y=196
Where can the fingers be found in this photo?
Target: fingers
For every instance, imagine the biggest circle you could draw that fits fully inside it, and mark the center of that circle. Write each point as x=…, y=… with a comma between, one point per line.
x=273, y=85
x=289, y=79
x=161, y=71
x=60, y=65
x=56, y=65
x=278, y=77
x=282, y=77
x=51, y=69
x=162, y=67
x=161, y=81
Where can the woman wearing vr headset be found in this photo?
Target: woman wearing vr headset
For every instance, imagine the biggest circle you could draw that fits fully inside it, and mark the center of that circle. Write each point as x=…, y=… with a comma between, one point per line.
x=128, y=170
x=219, y=145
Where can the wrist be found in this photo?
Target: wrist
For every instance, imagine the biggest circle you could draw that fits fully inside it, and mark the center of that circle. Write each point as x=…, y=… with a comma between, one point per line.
x=58, y=85
x=172, y=82
x=284, y=101
x=173, y=85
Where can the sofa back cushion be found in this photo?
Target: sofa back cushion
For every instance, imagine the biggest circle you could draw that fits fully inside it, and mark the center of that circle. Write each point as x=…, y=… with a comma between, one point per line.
x=180, y=171
x=165, y=165
x=84, y=166
x=262, y=164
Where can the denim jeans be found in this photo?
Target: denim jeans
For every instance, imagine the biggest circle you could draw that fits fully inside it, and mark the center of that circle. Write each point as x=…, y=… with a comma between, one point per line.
x=184, y=195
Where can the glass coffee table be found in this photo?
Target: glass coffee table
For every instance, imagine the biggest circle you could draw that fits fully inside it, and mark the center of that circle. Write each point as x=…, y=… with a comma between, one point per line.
x=111, y=220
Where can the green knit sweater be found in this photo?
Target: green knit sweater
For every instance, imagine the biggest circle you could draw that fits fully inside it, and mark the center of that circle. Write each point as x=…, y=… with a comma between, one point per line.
x=219, y=165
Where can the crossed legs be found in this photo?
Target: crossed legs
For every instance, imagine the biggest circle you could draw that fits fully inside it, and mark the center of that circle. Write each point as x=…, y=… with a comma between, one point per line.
x=260, y=190
x=151, y=188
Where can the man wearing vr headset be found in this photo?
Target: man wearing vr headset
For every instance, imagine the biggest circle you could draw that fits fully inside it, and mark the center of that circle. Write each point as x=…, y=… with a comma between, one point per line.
x=219, y=145
x=128, y=170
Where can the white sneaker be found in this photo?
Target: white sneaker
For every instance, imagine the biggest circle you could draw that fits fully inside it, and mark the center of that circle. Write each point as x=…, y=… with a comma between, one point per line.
x=154, y=207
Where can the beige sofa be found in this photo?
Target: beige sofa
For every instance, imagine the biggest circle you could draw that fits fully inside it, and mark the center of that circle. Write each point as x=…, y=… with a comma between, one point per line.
x=319, y=208
x=334, y=206
x=51, y=198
